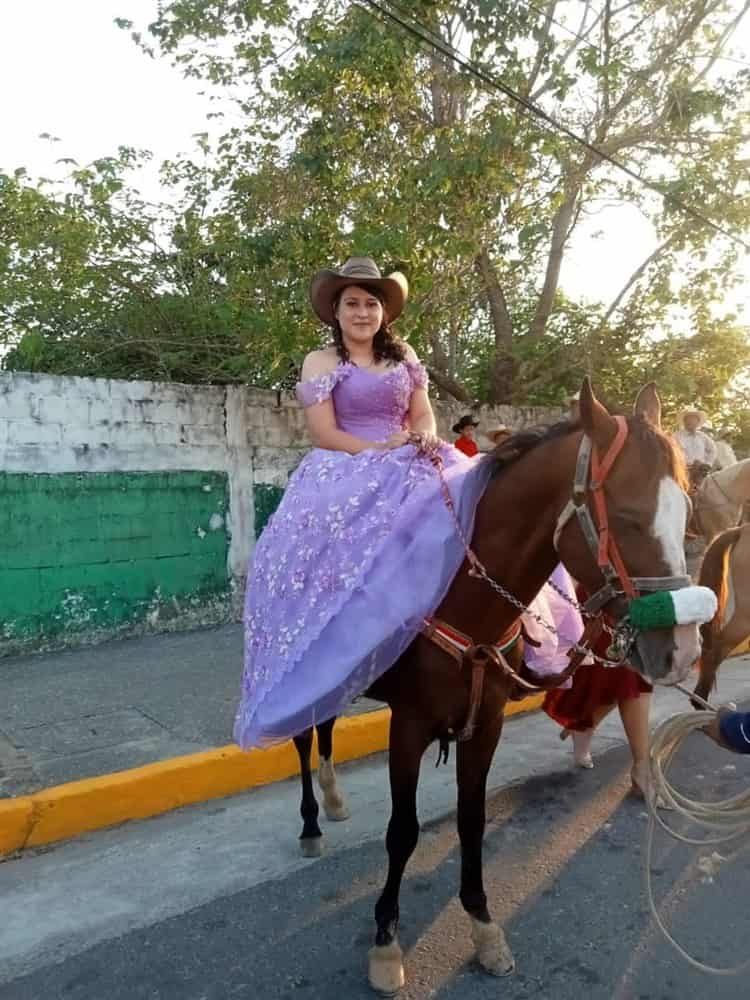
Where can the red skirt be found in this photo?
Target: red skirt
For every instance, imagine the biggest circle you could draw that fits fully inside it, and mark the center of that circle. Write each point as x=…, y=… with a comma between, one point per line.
x=593, y=686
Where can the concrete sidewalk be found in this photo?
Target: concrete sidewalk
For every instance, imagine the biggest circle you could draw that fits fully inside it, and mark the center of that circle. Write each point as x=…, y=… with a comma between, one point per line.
x=95, y=737
x=100, y=709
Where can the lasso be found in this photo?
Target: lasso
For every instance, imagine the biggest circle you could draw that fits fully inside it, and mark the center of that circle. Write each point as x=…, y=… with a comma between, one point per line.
x=724, y=820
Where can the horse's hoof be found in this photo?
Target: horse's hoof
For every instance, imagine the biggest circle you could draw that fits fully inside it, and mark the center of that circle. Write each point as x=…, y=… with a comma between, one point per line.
x=311, y=847
x=333, y=801
x=386, y=969
x=493, y=953
x=335, y=811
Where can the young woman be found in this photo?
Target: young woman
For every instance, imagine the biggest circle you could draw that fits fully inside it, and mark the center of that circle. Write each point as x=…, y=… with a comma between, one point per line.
x=362, y=547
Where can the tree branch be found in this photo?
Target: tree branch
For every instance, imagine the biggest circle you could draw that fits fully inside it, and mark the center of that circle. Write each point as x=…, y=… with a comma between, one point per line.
x=636, y=276
x=541, y=48
x=561, y=228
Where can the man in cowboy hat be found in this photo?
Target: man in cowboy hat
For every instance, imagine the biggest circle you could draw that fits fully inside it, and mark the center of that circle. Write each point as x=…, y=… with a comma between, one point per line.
x=498, y=435
x=698, y=448
x=465, y=429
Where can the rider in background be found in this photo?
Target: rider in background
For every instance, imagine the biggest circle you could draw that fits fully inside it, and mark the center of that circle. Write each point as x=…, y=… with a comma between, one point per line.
x=698, y=448
x=465, y=428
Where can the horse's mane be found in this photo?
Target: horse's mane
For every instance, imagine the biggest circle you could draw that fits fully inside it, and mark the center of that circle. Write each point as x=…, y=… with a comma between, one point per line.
x=526, y=440
x=656, y=445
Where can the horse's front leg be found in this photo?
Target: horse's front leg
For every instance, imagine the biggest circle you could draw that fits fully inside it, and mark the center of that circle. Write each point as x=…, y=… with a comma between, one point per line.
x=311, y=838
x=333, y=800
x=409, y=739
x=473, y=763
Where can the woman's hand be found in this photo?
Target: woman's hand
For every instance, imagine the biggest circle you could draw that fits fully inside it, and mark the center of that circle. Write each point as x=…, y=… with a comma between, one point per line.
x=424, y=440
x=397, y=440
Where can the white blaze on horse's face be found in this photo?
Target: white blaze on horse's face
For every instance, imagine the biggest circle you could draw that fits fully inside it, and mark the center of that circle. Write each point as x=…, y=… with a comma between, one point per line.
x=669, y=525
x=670, y=522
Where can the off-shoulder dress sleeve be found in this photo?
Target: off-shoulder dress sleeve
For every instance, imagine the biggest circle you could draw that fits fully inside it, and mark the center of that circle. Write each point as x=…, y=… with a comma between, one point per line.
x=316, y=390
x=417, y=375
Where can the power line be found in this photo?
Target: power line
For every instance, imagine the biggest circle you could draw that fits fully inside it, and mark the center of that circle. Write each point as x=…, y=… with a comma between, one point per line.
x=424, y=35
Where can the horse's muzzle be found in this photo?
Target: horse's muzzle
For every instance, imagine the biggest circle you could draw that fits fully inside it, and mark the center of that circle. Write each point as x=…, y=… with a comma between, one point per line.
x=666, y=656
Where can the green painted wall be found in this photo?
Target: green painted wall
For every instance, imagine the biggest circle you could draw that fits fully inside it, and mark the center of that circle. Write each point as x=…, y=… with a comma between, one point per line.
x=265, y=500
x=88, y=552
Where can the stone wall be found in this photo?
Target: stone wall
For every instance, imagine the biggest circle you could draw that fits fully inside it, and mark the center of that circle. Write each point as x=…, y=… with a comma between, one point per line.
x=135, y=505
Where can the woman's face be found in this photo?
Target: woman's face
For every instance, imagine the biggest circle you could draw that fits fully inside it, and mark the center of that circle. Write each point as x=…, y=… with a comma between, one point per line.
x=468, y=432
x=360, y=315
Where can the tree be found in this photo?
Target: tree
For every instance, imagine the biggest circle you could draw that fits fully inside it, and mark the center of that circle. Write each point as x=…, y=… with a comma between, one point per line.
x=353, y=137
x=356, y=136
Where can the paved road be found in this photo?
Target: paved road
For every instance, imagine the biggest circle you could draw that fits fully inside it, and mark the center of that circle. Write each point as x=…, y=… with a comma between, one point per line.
x=564, y=856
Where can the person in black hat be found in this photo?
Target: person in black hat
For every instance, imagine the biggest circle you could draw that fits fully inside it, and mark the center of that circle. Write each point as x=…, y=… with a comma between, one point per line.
x=465, y=430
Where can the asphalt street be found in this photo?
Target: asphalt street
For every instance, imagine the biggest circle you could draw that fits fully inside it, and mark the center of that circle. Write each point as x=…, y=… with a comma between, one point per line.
x=564, y=873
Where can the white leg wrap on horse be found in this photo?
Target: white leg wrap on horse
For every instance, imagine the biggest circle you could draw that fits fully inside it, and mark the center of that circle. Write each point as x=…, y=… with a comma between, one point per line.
x=333, y=801
x=493, y=952
x=386, y=968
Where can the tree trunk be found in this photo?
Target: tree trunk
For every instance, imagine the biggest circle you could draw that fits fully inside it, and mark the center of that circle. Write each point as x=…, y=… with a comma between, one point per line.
x=442, y=376
x=503, y=371
x=560, y=232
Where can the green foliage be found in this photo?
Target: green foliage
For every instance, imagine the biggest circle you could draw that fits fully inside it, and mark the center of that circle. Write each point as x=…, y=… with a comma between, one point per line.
x=352, y=138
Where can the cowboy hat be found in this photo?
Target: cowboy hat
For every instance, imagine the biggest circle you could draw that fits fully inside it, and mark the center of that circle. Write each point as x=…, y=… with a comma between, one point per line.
x=694, y=411
x=500, y=431
x=466, y=421
x=326, y=284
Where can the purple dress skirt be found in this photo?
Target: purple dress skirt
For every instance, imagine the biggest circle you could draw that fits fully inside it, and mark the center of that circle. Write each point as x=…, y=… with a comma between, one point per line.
x=361, y=549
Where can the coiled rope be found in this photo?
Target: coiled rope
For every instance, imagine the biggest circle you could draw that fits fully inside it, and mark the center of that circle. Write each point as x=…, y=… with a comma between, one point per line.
x=724, y=820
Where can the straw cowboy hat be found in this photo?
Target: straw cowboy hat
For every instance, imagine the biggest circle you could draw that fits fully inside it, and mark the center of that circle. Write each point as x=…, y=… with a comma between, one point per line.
x=466, y=421
x=694, y=411
x=502, y=430
x=326, y=285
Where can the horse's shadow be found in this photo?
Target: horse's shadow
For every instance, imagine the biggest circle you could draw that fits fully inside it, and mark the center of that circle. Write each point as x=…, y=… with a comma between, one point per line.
x=562, y=863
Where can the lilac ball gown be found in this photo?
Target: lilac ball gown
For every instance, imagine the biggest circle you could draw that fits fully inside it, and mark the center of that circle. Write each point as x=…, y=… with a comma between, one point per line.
x=361, y=549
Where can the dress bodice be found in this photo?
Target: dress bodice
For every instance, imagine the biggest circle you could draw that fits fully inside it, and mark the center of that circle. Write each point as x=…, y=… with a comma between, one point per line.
x=369, y=405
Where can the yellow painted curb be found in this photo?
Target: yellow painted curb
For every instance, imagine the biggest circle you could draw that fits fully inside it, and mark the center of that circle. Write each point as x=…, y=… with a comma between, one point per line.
x=66, y=811
x=15, y=823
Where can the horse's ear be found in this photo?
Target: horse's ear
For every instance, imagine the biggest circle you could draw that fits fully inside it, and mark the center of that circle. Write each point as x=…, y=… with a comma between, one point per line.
x=595, y=417
x=648, y=405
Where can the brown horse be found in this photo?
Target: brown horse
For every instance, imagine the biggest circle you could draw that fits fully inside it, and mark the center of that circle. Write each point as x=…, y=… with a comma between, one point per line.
x=725, y=566
x=523, y=528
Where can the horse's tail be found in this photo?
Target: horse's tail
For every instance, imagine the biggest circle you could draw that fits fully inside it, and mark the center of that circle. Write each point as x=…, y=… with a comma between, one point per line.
x=715, y=574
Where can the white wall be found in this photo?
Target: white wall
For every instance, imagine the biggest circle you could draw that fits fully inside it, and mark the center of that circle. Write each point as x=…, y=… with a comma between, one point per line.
x=55, y=424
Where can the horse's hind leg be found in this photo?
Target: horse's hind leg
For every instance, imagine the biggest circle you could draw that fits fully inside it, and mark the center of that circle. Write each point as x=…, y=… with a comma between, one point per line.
x=311, y=838
x=408, y=741
x=333, y=800
x=473, y=763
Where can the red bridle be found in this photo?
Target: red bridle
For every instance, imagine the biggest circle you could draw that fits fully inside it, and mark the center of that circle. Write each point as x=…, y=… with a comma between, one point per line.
x=608, y=553
x=596, y=529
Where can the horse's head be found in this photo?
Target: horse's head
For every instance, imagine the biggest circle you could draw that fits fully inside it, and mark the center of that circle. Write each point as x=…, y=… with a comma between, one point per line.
x=643, y=507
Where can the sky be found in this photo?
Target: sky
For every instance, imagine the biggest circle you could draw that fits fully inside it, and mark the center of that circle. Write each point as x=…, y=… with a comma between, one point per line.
x=75, y=75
